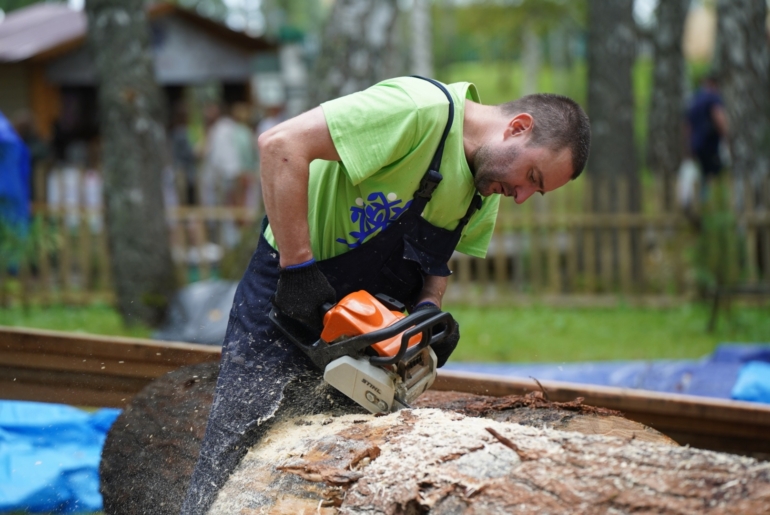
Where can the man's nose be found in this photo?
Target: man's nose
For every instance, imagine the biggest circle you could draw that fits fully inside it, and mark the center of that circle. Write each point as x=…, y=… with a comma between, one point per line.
x=523, y=194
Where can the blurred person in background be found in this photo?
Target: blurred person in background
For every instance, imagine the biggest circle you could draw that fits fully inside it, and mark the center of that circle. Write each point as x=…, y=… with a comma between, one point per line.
x=15, y=181
x=707, y=131
x=183, y=154
x=241, y=113
x=39, y=151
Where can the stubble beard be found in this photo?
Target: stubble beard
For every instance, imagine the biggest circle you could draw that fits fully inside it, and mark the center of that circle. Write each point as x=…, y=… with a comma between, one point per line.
x=488, y=166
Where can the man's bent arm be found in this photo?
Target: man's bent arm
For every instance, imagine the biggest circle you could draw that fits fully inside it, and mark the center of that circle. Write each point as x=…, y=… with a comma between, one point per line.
x=433, y=290
x=286, y=152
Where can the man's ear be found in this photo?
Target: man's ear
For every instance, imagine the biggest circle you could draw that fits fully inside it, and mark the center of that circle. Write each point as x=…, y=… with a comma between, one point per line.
x=520, y=125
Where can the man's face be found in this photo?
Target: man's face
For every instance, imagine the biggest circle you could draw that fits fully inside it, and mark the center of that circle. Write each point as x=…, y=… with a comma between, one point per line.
x=515, y=169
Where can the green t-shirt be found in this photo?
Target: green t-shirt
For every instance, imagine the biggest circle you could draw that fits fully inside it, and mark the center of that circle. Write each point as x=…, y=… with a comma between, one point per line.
x=386, y=137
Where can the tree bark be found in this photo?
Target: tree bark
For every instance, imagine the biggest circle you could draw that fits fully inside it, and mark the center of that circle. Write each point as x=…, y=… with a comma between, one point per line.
x=611, y=56
x=422, y=38
x=133, y=150
x=743, y=63
x=151, y=450
x=356, y=48
x=612, y=166
x=665, y=138
x=440, y=462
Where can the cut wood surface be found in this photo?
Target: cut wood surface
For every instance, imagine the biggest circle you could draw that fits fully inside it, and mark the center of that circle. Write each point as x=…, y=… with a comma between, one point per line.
x=442, y=462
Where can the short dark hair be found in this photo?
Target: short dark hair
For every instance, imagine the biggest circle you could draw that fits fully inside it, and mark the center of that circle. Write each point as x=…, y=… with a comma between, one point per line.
x=559, y=123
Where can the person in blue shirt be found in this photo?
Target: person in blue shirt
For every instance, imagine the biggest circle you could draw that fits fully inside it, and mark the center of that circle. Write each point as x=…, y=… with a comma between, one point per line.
x=707, y=127
x=15, y=170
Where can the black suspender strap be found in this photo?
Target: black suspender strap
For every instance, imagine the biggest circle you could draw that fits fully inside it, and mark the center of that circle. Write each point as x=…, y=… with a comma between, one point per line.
x=432, y=177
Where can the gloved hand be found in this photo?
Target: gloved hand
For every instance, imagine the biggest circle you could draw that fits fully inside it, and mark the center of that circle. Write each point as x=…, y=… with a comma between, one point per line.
x=444, y=348
x=302, y=290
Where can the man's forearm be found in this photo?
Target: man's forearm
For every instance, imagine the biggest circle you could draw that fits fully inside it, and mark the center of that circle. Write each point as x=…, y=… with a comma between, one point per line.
x=285, y=193
x=286, y=152
x=433, y=290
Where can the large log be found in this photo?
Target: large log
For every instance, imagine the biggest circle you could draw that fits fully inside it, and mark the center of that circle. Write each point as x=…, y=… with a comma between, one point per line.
x=152, y=448
x=442, y=462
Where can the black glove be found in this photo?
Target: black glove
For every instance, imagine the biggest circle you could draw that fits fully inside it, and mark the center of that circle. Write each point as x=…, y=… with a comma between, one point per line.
x=302, y=290
x=446, y=347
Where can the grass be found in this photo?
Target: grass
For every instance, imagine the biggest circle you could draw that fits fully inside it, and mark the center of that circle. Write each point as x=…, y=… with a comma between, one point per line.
x=94, y=319
x=513, y=334
x=543, y=334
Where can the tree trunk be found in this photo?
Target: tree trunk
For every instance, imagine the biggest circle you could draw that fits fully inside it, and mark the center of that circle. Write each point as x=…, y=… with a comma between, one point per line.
x=356, y=48
x=611, y=56
x=531, y=58
x=152, y=448
x=133, y=150
x=665, y=139
x=422, y=39
x=743, y=62
x=613, y=166
x=440, y=462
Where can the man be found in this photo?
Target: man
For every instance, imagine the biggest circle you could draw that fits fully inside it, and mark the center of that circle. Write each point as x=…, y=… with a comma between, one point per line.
x=707, y=128
x=352, y=205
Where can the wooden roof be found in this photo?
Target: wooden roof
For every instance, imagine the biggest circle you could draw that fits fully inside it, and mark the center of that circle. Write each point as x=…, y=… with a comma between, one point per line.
x=44, y=31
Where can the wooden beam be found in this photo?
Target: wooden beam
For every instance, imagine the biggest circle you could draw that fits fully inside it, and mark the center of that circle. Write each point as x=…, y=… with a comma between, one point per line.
x=717, y=424
x=87, y=370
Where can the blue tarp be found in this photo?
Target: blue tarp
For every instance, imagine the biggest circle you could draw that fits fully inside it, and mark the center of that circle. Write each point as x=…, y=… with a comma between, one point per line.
x=49, y=457
x=717, y=375
x=753, y=383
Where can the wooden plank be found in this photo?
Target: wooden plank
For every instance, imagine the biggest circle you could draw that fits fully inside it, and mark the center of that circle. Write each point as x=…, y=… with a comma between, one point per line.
x=86, y=255
x=88, y=370
x=78, y=389
x=717, y=424
x=624, y=241
x=105, y=275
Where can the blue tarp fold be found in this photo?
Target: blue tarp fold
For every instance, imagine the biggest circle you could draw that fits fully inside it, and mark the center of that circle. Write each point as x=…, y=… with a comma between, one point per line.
x=49, y=457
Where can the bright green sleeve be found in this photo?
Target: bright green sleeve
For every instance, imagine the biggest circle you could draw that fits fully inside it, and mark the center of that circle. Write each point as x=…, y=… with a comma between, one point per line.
x=372, y=128
x=478, y=233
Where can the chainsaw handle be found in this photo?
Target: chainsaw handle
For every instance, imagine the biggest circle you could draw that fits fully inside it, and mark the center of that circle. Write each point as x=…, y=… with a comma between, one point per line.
x=424, y=327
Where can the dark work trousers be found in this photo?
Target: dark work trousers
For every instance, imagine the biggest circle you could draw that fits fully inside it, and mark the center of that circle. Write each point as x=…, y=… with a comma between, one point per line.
x=263, y=376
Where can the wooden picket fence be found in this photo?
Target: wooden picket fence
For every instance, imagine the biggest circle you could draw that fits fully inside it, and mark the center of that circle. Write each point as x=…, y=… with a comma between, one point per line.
x=552, y=249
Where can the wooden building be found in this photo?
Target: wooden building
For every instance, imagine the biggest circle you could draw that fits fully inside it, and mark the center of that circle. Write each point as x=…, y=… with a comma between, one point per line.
x=47, y=69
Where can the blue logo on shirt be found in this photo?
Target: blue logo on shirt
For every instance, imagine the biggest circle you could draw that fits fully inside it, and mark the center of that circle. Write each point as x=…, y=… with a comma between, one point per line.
x=379, y=213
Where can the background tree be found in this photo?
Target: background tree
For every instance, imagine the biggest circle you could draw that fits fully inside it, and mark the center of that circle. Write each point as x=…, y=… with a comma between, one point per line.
x=357, y=47
x=613, y=161
x=664, y=128
x=743, y=64
x=422, y=48
x=133, y=146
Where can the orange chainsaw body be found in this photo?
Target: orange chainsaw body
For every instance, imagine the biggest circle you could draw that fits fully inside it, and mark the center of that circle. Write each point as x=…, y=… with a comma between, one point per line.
x=361, y=313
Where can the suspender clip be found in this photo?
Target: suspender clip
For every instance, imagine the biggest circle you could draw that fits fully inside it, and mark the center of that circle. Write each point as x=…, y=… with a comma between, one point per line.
x=428, y=184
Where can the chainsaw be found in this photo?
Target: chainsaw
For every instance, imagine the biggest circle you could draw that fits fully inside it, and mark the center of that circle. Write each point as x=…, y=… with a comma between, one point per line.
x=370, y=351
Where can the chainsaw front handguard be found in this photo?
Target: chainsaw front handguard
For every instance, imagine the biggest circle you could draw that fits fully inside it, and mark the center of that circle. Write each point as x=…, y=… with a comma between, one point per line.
x=322, y=353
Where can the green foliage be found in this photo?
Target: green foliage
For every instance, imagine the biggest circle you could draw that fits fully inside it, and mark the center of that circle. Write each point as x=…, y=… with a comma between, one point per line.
x=719, y=251
x=555, y=335
x=492, y=30
x=22, y=245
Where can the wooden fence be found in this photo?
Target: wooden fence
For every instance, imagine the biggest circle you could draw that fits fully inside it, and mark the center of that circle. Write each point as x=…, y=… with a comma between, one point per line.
x=551, y=249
